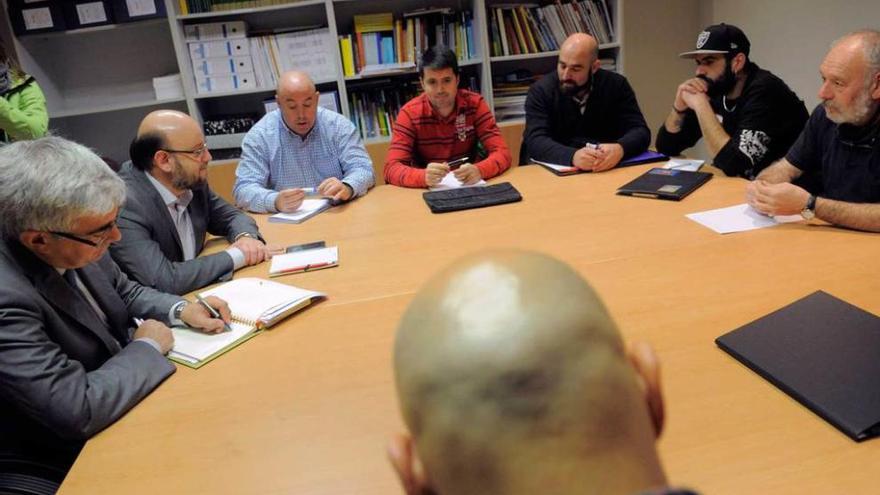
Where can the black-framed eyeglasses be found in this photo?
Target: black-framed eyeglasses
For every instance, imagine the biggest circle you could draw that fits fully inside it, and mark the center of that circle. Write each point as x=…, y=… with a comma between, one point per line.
x=197, y=153
x=101, y=234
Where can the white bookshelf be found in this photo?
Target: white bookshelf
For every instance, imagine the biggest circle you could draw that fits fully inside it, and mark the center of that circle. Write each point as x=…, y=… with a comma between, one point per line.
x=98, y=80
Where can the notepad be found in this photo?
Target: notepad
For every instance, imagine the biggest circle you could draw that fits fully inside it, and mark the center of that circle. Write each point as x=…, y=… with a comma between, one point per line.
x=304, y=261
x=255, y=304
x=821, y=351
x=308, y=209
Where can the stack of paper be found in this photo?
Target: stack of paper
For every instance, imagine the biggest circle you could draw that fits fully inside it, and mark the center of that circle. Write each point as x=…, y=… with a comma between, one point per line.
x=308, y=209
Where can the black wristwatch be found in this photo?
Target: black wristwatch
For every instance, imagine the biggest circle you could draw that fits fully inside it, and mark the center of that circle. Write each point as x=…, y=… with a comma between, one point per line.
x=809, y=211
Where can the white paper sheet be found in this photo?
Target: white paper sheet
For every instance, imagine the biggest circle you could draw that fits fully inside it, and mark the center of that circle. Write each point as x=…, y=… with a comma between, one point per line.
x=450, y=182
x=739, y=218
x=684, y=164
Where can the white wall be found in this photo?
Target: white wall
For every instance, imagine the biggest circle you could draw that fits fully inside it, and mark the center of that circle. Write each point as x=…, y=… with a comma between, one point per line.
x=790, y=37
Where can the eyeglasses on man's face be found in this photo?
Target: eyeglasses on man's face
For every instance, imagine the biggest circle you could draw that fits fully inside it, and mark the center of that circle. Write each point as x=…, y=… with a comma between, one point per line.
x=96, y=238
x=196, y=154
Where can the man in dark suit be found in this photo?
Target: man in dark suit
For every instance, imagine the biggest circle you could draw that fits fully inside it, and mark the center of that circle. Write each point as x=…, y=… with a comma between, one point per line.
x=170, y=208
x=72, y=358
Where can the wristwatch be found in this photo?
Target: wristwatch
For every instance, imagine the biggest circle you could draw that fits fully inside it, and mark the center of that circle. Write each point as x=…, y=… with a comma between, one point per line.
x=178, y=310
x=809, y=211
x=245, y=234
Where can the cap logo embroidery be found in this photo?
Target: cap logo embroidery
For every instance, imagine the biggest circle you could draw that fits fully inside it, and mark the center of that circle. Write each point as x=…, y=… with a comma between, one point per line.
x=702, y=39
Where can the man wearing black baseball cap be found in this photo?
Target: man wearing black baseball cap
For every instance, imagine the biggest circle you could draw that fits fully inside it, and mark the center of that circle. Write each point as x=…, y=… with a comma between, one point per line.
x=748, y=116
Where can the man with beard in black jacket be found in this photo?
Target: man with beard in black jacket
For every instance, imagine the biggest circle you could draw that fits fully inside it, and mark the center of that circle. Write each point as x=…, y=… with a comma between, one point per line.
x=748, y=116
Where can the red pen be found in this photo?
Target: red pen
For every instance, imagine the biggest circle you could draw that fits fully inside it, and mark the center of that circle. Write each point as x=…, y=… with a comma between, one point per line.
x=305, y=268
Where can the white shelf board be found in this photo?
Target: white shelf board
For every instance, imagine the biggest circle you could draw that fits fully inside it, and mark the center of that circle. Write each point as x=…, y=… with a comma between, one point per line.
x=527, y=56
x=98, y=99
x=255, y=10
x=161, y=21
x=411, y=70
x=239, y=92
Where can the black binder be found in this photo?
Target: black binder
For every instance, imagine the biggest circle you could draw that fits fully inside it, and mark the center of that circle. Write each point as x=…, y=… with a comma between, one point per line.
x=665, y=183
x=824, y=353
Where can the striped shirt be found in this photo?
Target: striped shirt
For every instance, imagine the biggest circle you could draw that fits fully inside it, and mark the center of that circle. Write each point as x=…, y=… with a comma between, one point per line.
x=421, y=136
x=274, y=158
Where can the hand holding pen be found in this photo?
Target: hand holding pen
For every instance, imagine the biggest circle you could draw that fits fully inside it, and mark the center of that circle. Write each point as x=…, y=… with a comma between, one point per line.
x=588, y=157
x=211, y=314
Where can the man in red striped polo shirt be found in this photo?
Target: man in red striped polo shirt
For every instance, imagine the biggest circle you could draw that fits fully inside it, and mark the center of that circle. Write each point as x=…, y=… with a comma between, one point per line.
x=442, y=125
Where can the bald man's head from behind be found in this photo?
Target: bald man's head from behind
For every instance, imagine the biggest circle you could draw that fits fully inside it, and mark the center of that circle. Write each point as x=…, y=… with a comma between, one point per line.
x=298, y=101
x=512, y=379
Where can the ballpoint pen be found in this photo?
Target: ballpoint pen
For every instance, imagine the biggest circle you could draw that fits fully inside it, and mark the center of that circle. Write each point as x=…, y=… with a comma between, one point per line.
x=213, y=312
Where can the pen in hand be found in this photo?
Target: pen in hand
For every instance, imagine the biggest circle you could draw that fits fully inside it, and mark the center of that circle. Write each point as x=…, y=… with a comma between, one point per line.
x=213, y=312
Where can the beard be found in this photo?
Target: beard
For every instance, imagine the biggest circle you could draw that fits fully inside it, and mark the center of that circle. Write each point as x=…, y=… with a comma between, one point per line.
x=180, y=179
x=723, y=85
x=569, y=88
x=858, y=114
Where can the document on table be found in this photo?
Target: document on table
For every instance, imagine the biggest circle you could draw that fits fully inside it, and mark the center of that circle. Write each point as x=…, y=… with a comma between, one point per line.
x=684, y=164
x=308, y=209
x=561, y=169
x=450, y=182
x=739, y=218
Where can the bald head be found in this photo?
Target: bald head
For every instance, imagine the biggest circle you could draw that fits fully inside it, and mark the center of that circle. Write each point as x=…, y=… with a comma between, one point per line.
x=295, y=82
x=510, y=370
x=578, y=61
x=850, y=92
x=298, y=101
x=167, y=122
x=580, y=46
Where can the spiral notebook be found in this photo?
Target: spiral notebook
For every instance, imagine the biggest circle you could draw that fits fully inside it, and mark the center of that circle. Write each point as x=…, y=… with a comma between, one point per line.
x=256, y=304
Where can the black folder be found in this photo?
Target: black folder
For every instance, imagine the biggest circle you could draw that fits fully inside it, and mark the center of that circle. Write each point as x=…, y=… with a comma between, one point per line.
x=824, y=353
x=665, y=183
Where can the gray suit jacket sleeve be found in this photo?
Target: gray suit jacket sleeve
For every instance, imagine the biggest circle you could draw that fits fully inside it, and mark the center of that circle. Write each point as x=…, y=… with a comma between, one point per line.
x=150, y=250
x=227, y=220
x=39, y=377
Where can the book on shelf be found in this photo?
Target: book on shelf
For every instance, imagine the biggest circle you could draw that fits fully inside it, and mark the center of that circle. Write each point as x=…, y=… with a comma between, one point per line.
x=524, y=28
x=381, y=43
x=200, y=6
x=255, y=304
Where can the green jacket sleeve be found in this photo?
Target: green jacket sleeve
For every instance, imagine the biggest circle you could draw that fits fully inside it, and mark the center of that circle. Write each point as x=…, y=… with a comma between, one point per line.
x=23, y=113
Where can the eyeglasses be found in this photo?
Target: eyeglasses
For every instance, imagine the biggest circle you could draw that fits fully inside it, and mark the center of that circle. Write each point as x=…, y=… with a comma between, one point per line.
x=197, y=153
x=100, y=235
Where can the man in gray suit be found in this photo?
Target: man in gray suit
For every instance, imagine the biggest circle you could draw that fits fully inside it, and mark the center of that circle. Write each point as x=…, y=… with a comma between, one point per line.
x=72, y=359
x=170, y=208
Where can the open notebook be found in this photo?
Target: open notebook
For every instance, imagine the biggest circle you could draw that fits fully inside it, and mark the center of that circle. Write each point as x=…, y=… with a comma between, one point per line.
x=256, y=304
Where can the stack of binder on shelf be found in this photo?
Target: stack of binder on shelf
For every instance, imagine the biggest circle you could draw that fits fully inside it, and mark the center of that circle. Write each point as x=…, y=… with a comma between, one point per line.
x=220, y=56
x=373, y=107
x=310, y=51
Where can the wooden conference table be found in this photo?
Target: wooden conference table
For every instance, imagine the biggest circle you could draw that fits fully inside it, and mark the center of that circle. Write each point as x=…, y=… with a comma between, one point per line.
x=307, y=408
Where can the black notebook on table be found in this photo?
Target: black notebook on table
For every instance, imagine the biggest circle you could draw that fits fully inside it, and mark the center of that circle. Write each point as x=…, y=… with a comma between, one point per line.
x=665, y=183
x=824, y=353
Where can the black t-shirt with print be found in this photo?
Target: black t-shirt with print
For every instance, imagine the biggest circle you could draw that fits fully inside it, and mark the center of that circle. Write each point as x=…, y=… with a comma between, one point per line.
x=762, y=124
x=847, y=157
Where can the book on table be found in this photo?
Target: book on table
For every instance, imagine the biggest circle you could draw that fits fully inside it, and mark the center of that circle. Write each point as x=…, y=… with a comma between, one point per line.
x=307, y=260
x=256, y=304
